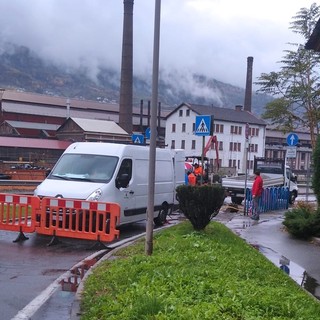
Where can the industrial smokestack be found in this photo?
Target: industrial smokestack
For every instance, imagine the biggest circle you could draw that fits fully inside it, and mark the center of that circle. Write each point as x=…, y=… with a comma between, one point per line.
x=125, y=105
x=68, y=108
x=248, y=93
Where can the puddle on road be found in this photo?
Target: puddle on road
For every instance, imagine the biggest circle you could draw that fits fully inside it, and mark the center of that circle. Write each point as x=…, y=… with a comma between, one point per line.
x=296, y=272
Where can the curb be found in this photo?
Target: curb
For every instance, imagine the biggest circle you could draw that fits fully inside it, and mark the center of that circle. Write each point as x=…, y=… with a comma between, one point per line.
x=75, y=307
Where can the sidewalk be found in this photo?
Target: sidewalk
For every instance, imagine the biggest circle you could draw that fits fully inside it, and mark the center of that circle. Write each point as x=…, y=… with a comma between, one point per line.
x=299, y=258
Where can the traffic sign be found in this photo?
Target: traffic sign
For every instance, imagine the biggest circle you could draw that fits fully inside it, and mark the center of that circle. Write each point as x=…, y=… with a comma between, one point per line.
x=292, y=139
x=291, y=152
x=148, y=133
x=203, y=125
x=137, y=138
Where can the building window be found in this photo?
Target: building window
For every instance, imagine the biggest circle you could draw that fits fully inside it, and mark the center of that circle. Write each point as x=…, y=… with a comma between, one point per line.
x=235, y=146
x=183, y=129
x=173, y=128
x=183, y=144
x=193, y=144
x=194, y=127
x=230, y=163
x=188, y=113
x=236, y=130
x=173, y=144
x=254, y=132
x=220, y=145
x=180, y=113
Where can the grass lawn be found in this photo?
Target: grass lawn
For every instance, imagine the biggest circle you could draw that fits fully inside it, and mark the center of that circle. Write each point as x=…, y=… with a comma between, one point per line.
x=191, y=275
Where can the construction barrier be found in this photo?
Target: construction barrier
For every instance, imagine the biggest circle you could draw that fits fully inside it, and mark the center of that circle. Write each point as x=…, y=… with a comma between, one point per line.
x=79, y=219
x=18, y=212
x=89, y=220
x=274, y=198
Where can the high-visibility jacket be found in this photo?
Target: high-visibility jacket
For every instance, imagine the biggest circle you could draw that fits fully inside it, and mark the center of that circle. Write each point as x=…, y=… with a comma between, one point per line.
x=192, y=179
x=198, y=171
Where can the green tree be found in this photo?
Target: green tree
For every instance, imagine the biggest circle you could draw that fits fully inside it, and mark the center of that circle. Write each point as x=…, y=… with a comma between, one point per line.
x=316, y=170
x=296, y=86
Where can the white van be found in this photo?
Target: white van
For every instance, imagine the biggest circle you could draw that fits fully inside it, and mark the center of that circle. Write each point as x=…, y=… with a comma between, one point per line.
x=110, y=172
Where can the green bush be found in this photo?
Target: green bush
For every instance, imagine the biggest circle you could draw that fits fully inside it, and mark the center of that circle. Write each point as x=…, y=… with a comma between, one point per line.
x=200, y=204
x=303, y=222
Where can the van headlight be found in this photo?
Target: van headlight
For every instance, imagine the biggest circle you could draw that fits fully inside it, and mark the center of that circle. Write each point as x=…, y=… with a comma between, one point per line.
x=95, y=195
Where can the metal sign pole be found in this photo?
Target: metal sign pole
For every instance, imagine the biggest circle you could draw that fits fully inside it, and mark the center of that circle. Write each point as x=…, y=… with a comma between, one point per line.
x=202, y=158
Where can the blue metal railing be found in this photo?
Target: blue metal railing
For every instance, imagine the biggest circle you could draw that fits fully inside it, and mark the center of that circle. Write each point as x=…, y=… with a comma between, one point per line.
x=274, y=198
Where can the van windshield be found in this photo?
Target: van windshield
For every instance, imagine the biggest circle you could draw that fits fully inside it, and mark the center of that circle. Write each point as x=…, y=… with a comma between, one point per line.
x=84, y=167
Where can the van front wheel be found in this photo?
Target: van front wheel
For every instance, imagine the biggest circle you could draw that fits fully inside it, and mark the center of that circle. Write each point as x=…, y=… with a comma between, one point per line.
x=162, y=217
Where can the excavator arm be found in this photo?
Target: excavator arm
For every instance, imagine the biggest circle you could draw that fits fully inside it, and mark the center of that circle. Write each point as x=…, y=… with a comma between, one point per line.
x=212, y=144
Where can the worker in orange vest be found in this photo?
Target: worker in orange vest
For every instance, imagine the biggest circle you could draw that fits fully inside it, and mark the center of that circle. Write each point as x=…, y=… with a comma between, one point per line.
x=198, y=170
x=192, y=179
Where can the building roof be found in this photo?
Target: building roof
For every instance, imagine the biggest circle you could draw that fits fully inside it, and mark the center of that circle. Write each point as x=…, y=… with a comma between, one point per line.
x=101, y=126
x=33, y=143
x=32, y=125
x=223, y=114
x=29, y=99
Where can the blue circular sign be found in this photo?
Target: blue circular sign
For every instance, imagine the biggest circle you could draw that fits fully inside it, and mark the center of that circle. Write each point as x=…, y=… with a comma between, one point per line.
x=292, y=139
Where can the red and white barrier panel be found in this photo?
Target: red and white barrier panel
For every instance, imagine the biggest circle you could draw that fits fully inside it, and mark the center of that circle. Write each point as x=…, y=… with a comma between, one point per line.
x=80, y=219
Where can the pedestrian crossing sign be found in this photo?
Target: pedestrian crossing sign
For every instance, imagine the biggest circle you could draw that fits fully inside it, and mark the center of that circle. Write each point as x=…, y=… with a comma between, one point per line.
x=137, y=138
x=203, y=126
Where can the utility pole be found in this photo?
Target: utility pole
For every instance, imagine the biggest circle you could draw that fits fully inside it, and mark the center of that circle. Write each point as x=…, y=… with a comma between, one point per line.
x=153, y=130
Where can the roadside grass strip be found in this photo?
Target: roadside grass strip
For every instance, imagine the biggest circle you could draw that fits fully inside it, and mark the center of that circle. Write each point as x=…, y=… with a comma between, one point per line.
x=212, y=274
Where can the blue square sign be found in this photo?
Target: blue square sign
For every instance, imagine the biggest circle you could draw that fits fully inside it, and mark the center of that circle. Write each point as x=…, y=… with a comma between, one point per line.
x=137, y=138
x=203, y=126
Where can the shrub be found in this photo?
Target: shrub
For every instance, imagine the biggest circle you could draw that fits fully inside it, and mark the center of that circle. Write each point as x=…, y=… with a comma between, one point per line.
x=200, y=204
x=303, y=221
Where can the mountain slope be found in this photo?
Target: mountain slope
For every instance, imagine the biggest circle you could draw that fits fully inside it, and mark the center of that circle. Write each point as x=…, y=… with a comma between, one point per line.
x=22, y=69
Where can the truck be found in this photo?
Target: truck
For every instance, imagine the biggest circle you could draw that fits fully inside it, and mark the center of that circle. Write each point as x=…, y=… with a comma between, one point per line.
x=274, y=172
x=118, y=173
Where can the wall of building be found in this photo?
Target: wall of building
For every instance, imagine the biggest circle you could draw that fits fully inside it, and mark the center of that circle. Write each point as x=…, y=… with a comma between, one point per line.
x=180, y=127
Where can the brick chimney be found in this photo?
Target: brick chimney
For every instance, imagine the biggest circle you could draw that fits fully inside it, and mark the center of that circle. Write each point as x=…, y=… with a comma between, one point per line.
x=125, y=105
x=248, y=92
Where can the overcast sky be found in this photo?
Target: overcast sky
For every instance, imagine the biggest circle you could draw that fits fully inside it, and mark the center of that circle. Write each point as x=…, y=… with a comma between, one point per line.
x=212, y=37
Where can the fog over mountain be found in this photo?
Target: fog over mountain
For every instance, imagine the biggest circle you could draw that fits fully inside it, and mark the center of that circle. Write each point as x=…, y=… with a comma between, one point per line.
x=23, y=69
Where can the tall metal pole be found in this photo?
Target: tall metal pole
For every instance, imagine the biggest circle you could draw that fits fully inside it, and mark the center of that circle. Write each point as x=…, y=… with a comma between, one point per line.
x=153, y=129
x=202, y=159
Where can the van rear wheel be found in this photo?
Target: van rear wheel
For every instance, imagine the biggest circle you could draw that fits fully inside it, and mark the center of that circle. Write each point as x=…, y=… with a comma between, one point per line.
x=162, y=217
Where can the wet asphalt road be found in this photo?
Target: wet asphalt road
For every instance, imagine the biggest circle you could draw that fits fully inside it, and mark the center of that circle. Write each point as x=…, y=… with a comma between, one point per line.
x=27, y=268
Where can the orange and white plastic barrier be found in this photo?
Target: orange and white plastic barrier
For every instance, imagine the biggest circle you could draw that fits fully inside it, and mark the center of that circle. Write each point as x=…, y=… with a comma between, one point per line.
x=18, y=212
x=71, y=218
x=80, y=219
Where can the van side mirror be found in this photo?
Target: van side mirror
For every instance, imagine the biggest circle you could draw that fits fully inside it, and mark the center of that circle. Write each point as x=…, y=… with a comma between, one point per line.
x=122, y=180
